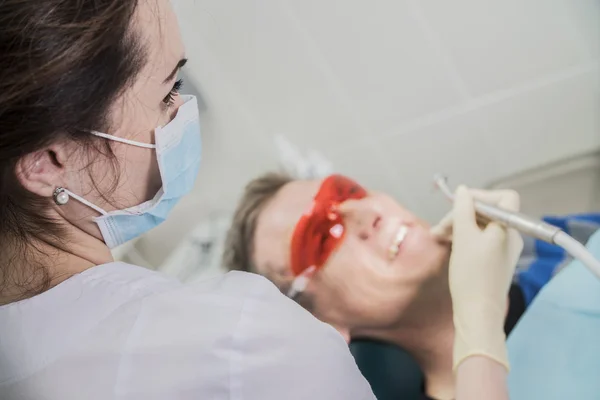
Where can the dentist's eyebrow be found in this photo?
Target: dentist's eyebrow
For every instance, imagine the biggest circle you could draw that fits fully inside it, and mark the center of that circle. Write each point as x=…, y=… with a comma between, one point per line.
x=179, y=65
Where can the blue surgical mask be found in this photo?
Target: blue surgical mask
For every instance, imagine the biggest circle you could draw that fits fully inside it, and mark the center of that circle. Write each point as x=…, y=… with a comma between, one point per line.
x=177, y=149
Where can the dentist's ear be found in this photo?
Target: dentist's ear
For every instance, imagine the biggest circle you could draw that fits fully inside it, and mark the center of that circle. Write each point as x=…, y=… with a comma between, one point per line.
x=42, y=171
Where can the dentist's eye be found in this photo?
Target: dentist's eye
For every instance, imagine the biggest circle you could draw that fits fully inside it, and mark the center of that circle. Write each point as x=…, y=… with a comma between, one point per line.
x=170, y=98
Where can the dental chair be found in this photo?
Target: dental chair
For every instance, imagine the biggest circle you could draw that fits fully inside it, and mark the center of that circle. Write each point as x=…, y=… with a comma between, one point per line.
x=391, y=371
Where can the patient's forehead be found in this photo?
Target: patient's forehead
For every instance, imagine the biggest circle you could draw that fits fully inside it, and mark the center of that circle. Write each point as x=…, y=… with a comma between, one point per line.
x=276, y=224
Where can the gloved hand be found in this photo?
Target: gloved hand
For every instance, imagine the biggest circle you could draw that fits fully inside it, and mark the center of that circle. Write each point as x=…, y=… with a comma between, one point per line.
x=482, y=264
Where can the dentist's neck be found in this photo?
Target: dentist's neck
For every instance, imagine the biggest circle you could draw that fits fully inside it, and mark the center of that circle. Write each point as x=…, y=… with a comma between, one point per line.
x=35, y=266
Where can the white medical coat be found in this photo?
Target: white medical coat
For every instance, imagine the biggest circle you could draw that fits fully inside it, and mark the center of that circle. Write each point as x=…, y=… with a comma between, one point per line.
x=118, y=331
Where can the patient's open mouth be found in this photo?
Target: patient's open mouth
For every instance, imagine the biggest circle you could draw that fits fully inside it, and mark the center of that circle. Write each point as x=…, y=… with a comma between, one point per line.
x=397, y=242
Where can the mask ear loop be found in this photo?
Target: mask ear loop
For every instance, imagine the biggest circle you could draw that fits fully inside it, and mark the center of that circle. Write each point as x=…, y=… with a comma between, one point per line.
x=123, y=140
x=300, y=282
x=61, y=195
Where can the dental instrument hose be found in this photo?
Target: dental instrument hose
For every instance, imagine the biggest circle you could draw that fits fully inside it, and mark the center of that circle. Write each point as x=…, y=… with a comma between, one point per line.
x=530, y=227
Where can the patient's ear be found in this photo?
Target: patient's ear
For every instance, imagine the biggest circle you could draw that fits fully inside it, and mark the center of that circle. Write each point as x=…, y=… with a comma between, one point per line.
x=344, y=332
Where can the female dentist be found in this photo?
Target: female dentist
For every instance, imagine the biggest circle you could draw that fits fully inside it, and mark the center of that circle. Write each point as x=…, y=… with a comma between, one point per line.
x=96, y=147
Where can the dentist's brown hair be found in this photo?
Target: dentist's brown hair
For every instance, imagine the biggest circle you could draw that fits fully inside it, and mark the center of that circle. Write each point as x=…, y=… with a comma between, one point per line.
x=62, y=65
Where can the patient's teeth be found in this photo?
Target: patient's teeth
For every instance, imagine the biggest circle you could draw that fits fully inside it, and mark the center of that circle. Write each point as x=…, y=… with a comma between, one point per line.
x=401, y=234
x=395, y=246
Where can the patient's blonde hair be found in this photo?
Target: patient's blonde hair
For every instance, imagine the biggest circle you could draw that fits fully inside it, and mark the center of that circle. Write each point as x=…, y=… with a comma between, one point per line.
x=238, y=254
x=239, y=244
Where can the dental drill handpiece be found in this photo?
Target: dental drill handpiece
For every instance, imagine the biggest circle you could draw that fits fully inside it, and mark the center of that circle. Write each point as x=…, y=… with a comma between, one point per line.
x=521, y=222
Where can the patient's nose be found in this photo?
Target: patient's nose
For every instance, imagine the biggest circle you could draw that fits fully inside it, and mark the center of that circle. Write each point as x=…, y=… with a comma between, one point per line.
x=360, y=218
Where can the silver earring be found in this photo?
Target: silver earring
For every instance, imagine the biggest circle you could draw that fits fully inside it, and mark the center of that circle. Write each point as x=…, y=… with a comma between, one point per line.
x=61, y=197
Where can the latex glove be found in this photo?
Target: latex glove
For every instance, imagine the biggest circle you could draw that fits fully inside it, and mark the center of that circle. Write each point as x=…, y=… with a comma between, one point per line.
x=482, y=265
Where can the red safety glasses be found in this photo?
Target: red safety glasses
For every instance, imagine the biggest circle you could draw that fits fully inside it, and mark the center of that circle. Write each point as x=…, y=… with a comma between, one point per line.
x=320, y=231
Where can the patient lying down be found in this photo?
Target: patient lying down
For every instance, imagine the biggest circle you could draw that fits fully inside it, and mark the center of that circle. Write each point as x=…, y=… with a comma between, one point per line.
x=380, y=273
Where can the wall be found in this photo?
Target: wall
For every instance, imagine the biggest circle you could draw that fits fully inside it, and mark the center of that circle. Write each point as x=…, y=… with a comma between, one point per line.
x=391, y=90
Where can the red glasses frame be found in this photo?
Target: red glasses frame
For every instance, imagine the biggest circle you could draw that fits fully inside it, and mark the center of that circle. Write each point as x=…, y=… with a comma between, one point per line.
x=321, y=230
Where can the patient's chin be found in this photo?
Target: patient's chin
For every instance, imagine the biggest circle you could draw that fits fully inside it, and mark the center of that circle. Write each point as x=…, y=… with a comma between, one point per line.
x=367, y=314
